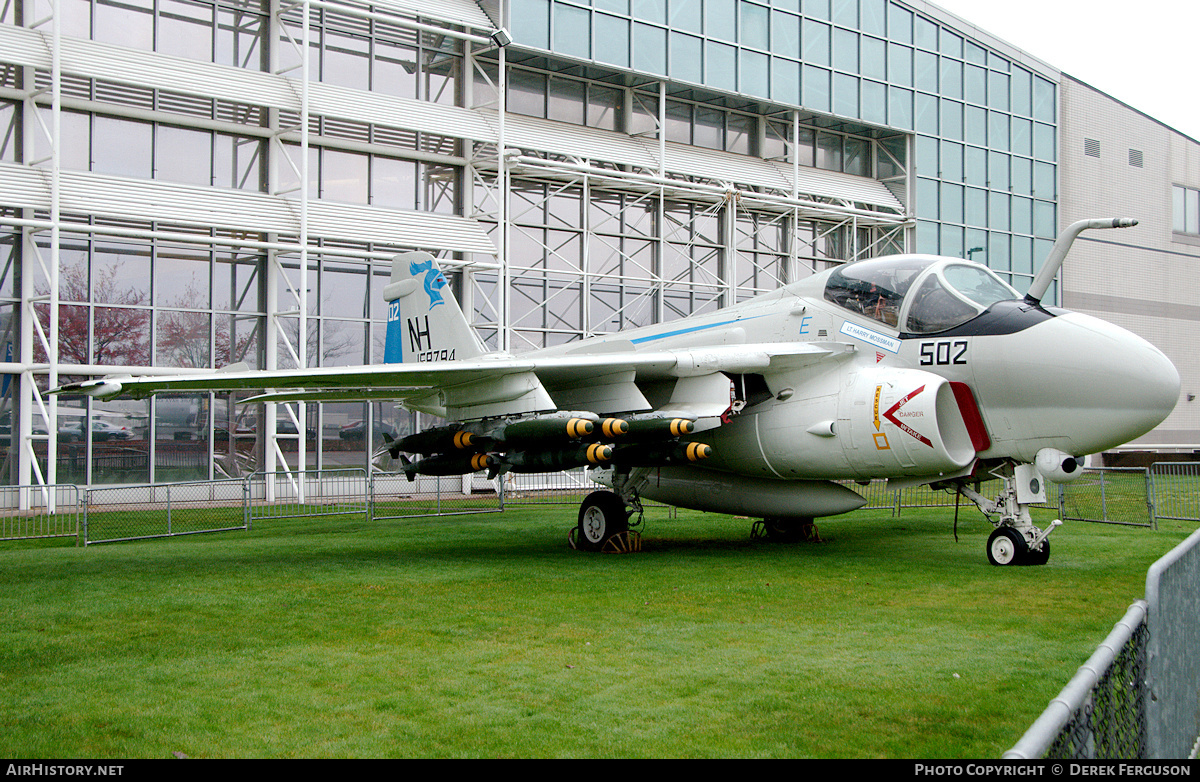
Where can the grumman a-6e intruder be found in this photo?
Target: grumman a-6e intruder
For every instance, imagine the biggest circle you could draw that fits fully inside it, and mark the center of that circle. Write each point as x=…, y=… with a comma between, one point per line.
x=914, y=368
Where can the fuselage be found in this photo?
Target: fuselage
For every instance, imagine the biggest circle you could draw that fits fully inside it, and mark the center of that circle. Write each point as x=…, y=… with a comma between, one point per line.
x=947, y=365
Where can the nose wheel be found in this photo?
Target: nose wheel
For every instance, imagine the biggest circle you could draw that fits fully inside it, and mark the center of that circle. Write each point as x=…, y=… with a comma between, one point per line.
x=1006, y=546
x=1015, y=541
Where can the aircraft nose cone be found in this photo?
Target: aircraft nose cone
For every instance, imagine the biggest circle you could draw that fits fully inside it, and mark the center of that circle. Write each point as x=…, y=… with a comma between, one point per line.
x=1122, y=382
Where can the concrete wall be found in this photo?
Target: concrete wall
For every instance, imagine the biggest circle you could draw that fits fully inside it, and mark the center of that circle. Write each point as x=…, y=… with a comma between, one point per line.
x=1145, y=279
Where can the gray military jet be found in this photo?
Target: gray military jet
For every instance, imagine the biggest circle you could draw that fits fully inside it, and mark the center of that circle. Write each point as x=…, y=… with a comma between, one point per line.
x=915, y=368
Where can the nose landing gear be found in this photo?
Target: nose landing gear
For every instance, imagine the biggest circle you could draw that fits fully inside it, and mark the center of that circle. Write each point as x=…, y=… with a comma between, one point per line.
x=1015, y=541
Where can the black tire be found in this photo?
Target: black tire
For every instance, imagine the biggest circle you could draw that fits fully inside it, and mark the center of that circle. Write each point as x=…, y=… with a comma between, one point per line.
x=785, y=530
x=1038, y=556
x=1006, y=546
x=601, y=516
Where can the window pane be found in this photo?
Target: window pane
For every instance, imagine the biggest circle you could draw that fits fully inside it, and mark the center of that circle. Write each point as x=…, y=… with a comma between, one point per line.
x=845, y=95
x=612, y=40
x=345, y=61
x=829, y=151
x=650, y=49
x=182, y=339
x=785, y=35
x=531, y=22
x=183, y=156
x=686, y=58
x=815, y=88
x=721, y=68
x=845, y=50
x=754, y=26
x=720, y=19
x=874, y=102
x=1178, y=199
x=740, y=132
x=816, y=42
x=572, y=31
x=753, y=74
x=565, y=100
x=858, y=160
x=344, y=176
x=900, y=65
x=131, y=23
x=122, y=147
x=393, y=183
x=785, y=81
x=900, y=107
x=181, y=278
x=185, y=29
x=874, y=58
x=604, y=107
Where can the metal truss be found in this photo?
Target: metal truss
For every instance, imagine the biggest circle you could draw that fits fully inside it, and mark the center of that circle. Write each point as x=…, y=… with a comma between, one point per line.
x=713, y=242
x=288, y=332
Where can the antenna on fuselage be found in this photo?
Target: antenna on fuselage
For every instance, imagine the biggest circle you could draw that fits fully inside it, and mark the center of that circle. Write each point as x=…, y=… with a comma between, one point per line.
x=1058, y=253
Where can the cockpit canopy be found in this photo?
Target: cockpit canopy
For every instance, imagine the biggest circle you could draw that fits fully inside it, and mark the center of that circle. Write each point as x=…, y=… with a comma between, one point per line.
x=916, y=294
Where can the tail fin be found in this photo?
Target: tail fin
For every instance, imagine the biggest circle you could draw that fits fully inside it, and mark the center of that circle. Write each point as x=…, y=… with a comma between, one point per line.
x=424, y=322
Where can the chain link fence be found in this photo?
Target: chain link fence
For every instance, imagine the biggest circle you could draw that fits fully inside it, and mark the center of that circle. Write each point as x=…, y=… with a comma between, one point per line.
x=1138, y=695
x=1108, y=723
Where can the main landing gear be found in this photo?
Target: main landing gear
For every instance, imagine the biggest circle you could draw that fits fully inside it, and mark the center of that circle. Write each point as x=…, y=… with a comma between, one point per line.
x=604, y=524
x=780, y=530
x=1015, y=541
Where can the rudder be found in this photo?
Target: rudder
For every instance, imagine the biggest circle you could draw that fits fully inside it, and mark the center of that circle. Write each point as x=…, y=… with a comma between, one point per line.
x=424, y=320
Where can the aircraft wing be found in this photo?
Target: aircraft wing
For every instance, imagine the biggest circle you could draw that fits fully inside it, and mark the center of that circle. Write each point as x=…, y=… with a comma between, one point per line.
x=484, y=386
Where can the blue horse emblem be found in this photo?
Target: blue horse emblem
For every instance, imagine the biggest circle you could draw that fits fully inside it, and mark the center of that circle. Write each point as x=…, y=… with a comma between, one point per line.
x=434, y=280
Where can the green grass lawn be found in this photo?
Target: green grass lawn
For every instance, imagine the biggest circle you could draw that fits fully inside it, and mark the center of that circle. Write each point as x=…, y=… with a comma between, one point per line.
x=485, y=636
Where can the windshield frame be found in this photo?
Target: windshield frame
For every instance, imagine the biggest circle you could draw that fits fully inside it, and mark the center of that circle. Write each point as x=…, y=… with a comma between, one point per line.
x=885, y=290
x=937, y=272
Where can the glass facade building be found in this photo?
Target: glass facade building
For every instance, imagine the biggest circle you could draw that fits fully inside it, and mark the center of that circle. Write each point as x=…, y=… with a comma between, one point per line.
x=186, y=184
x=982, y=117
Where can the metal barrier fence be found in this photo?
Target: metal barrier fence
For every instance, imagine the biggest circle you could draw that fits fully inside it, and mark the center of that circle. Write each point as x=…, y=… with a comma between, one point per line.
x=1134, y=496
x=283, y=495
x=121, y=513
x=1176, y=490
x=38, y=522
x=1173, y=594
x=547, y=488
x=1138, y=695
x=396, y=497
x=879, y=497
x=1112, y=495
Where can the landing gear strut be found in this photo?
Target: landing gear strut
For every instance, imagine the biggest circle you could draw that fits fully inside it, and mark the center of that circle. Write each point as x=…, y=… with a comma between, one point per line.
x=780, y=530
x=1015, y=541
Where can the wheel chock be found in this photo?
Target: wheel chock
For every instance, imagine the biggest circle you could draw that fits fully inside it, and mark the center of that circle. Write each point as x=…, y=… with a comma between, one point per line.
x=626, y=542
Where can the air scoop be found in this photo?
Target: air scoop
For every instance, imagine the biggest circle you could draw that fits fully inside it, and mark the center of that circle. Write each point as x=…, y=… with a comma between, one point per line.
x=1062, y=245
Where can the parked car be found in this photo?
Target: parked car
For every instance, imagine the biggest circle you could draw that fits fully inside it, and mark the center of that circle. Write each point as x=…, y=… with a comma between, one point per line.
x=101, y=431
